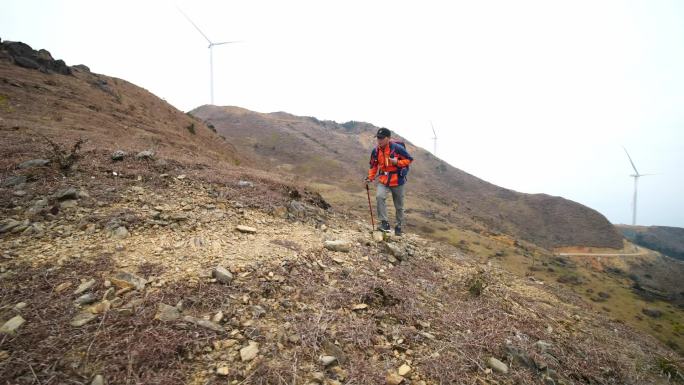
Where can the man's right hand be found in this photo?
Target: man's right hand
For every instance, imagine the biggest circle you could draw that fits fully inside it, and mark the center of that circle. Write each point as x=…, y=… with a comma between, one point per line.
x=367, y=181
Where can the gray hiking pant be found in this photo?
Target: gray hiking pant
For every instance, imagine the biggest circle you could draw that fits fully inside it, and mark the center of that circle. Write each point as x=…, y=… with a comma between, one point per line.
x=397, y=198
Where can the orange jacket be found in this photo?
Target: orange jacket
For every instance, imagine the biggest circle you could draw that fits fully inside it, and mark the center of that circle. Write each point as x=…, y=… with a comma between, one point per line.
x=390, y=175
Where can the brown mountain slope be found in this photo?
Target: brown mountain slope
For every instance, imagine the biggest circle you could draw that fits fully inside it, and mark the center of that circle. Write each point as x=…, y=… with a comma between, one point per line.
x=140, y=271
x=111, y=113
x=336, y=156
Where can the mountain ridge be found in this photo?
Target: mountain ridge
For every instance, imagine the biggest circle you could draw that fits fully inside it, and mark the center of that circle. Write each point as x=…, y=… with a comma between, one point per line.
x=278, y=139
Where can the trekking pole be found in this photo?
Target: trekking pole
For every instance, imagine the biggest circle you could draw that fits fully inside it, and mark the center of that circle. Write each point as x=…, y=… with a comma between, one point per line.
x=370, y=208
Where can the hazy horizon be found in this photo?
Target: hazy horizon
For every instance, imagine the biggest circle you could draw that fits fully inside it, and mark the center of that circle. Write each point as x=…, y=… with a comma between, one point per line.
x=534, y=96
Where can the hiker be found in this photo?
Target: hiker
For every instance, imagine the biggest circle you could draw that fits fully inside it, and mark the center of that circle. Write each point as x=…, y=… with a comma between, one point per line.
x=390, y=160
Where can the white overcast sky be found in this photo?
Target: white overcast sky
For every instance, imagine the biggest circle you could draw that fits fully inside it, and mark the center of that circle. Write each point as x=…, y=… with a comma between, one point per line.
x=536, y=96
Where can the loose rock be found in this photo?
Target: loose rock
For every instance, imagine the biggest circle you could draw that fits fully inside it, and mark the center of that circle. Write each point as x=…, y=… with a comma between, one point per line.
x=166, y=313
x=68, y=193
x=85, y=299
x=497, y=365
x=11, y=326
x=34, y=163
x=395, y=250
x=327, y=360
x=147, y=154
x=338, y=245
x=120, y=232
x=246, y=229
x=98, y=380
x=222, y=275
x=82, y=318
x=118, y=155
x=124, y=280
x=394, y=379
x=223, y=371
x=404, y=370
x=249, y=352
x=82, y=288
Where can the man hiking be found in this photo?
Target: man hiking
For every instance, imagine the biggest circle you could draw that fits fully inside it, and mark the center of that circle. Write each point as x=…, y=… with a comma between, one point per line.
x=390, y=160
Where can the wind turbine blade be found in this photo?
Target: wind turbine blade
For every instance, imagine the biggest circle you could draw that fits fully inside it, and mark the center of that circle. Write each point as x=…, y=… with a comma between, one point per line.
x=647, y=174
x=433, y=129
x=630, y=161
x=194, y=25
x=227, y=42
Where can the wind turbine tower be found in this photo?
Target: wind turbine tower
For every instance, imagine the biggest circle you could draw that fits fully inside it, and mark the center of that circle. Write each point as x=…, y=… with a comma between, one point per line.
x=636, y=177
x=434, y=140
x=211, y=54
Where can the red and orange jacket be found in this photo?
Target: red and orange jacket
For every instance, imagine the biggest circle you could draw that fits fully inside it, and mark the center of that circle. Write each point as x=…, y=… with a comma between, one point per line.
x=380, y=164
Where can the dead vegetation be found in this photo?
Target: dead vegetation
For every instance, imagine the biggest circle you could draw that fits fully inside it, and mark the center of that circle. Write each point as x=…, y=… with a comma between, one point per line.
x=63, y=158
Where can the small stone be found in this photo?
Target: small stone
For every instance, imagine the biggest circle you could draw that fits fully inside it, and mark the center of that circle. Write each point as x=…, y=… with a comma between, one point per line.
x=394, y=379
x=120, y=232
x=82, y=288
x=14, y=181
x=124, y=280
x=67, y=194
x=166, y=313
x=218, y=317
x=9, y=225
x=85, y=299
x=395, y=250
x=11, y=326
x=249, y=352
x=20, y=306
x=118, y=155
x=497, y=365
x=4, y=354
x=222, y=275
x=65, y=285
x=97, y=380
x=378, y=236
x=404, y=370
x=82, y=318
x=245, y=183
x=360, y=306
x=100, y=307
x=327, y=360
x=542, y=346
x=203, y=323
x=318, y=377
x=246, y=229
x=338, y=245
x=68, y=204
x=34, y=163
x=223, y=371
x=147, y=154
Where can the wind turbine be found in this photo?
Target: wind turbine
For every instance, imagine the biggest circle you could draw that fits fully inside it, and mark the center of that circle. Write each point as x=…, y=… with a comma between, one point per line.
x=434, y=140
x=211, y=53
x=636, y=177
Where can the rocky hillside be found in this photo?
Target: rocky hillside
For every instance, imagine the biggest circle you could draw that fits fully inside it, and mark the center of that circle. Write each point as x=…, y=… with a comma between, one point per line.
x=441, y=196
x=667, y=240
x=134, y=250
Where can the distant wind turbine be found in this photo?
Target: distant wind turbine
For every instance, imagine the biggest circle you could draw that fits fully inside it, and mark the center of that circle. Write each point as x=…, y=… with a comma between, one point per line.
x=434, y=140
x=211, y=53
x=636, y=177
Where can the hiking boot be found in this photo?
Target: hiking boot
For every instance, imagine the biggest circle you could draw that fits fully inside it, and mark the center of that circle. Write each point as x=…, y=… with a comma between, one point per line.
x=397, y=231
x=384, y=226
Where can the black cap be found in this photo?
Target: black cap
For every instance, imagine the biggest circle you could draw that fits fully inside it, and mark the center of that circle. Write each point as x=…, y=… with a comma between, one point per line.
x=383, y=133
